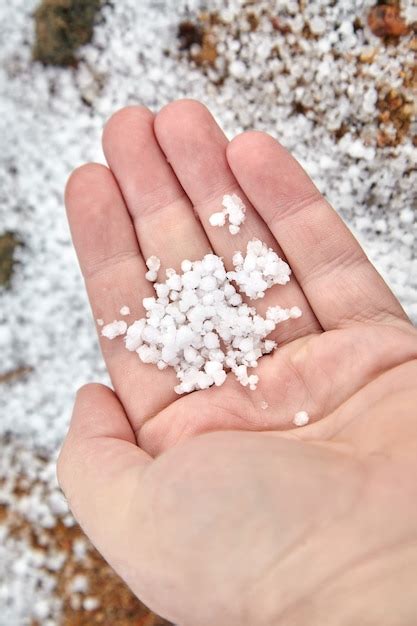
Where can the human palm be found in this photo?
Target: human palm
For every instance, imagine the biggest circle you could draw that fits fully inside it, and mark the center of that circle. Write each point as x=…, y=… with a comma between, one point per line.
x=240, y=512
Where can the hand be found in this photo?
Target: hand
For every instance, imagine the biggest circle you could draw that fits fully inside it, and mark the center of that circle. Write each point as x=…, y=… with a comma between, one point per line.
x=283, y=526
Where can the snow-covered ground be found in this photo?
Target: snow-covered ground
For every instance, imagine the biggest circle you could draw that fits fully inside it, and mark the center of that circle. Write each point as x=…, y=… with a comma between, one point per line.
x=311, y=76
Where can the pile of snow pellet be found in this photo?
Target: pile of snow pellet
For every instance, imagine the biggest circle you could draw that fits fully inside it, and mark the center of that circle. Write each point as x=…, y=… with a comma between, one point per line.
x=234, y=211
x=198, y=323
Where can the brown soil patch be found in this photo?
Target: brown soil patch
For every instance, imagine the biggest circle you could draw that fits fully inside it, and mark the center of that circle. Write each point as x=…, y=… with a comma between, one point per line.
x=395, y=113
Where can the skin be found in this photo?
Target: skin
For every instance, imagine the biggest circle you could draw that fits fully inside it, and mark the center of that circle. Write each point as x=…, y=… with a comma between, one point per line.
x=213, y=509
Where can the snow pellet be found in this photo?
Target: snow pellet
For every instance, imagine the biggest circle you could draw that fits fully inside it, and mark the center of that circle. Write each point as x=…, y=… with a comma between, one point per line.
x=153, y=264
x=233, y=210
x=151, y=276
x=301, y=418
x=124, y=310
x=259, y=270
x=91, y=604
x=217, y=219
x=115, y=329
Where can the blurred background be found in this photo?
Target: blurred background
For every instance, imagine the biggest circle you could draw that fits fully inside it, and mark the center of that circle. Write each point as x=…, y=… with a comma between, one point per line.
x=334, y=80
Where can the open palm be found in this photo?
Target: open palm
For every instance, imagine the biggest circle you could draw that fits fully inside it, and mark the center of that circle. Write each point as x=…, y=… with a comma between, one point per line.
x=167, y=176
x=353, y=345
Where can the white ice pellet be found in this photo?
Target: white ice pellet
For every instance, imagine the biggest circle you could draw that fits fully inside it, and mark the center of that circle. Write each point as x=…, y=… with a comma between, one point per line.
x=259, y=270
x=174, y=282
x=148, y=354
x=133, y=338
x=217, y=219
x=79, y=548
x=233, y=210
x=79, y=584
x=278, y=314
x=41, y=609
x=208, y=283
x=301, y=418
x=407, y=216
x=238, y=69
x=212, y=368
x=148, y=303
x=91, y=604
x=186, y=265
x=151, y=276
x=153, y=264
x=211, y=341
x=253, y=381
x=219, y=378
x=100, y=322
x=317, y=25
x=115, y=329
x=124, y=310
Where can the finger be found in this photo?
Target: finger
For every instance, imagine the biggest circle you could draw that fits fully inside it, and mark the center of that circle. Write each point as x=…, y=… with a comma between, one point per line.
x=100, y=466
x=196, y=148
x=165, y=223
x=114, y=272
x=340, y=283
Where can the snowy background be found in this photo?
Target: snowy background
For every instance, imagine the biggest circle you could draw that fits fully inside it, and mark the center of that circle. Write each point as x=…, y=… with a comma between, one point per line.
x=311, y=73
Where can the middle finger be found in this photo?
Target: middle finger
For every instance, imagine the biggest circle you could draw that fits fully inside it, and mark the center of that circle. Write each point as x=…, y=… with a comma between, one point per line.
x=196, y=148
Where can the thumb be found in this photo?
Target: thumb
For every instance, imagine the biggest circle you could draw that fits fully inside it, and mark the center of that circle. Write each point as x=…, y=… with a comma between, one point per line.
x=100, y=467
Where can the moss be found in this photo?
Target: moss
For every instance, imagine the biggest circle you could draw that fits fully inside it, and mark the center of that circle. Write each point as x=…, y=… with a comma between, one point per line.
x=8, y=245
x=62, y=26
